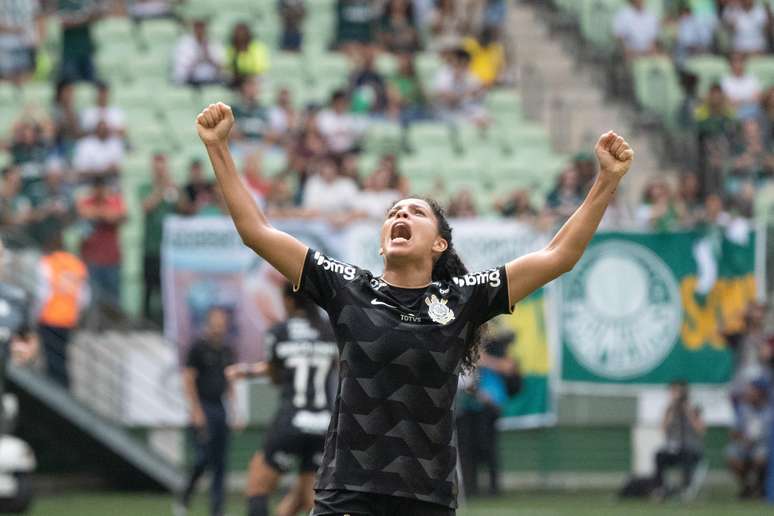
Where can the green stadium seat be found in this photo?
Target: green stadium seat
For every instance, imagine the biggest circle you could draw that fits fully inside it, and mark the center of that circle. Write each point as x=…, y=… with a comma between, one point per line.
x=656, y=86
x=763, y=68
x=709, y=68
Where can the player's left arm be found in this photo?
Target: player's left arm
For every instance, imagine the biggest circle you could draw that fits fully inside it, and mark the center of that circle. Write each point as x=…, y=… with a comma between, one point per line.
x=532, y=271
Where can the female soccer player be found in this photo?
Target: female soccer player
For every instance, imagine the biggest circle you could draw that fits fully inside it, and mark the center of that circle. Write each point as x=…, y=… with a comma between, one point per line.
x=302, y=360
x=402, y=336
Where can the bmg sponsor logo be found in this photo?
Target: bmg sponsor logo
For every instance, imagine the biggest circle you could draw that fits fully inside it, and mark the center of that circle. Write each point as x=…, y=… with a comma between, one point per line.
x=491, y=277
x=347, y=271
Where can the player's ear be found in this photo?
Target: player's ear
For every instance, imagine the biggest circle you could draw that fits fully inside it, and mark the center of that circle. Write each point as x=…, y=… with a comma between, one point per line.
x=440, y=245
x=381, y=251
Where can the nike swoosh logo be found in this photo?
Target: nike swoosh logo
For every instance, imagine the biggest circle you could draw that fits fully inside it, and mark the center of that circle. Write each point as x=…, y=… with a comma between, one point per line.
x=377, y=302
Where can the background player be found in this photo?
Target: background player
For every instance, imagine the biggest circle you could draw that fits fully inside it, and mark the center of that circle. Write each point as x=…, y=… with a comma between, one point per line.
x=301, y=362
x=403, y=336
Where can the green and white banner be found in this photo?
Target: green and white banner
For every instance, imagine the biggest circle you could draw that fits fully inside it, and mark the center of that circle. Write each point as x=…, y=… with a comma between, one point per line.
x=653, y=308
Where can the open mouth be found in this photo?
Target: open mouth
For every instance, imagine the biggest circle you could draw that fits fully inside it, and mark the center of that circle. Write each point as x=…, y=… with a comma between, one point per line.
x=401, y=232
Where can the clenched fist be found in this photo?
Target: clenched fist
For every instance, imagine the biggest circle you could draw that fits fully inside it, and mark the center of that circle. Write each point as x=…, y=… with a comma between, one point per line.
x=214, y=123
x=614, y=154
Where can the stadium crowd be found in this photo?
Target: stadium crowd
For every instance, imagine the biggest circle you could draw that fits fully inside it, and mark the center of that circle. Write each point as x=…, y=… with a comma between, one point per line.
x=729, y=119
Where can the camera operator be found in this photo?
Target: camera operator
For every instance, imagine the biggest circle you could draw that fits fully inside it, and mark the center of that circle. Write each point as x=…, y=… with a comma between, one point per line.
x=684, y=431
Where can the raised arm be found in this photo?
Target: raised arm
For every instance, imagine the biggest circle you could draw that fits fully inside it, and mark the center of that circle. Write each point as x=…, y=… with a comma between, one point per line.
x=532, y=271
x=283, y=251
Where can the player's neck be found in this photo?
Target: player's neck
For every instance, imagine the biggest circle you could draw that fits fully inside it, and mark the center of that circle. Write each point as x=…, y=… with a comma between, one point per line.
x=407, y=275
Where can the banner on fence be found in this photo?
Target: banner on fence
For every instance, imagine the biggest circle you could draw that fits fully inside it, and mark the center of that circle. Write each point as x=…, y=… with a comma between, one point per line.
x=653, y=308
x=206, y=264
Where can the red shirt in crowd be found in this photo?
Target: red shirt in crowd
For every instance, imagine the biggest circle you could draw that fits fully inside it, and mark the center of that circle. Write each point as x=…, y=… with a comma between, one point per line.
x=106, y=212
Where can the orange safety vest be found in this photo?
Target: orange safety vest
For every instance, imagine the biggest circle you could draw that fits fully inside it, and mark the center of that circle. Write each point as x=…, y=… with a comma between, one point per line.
x=66, y=278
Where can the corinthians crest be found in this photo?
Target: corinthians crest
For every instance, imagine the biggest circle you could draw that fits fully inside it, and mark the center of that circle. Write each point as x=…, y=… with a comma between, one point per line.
x=438, y=311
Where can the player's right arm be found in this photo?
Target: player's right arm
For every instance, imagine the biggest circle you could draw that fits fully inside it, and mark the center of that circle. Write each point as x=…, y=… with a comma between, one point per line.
x=283, y=251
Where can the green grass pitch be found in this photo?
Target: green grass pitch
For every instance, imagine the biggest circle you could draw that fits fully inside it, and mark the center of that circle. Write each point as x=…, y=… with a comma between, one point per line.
x=518, y=504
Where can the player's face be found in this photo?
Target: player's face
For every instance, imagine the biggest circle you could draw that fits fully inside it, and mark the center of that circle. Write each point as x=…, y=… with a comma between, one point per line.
x=411, y=230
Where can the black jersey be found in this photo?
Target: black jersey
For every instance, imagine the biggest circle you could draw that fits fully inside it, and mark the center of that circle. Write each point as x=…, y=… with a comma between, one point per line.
x=304, y=354
x=400, y=349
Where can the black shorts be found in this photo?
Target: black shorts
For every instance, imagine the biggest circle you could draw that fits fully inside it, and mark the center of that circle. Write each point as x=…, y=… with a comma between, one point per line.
x=355, y=503
x=284, y=443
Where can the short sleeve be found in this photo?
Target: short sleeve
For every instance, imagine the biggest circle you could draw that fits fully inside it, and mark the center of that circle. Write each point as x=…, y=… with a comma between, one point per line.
x=485, y=294
x=323, y=277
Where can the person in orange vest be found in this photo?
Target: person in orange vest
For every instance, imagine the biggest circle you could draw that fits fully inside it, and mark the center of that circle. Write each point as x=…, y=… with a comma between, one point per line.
x=63, y=292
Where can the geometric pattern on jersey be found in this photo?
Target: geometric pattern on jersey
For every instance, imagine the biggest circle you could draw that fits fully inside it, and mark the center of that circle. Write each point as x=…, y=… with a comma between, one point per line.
x=302, y=355
x=392, y=428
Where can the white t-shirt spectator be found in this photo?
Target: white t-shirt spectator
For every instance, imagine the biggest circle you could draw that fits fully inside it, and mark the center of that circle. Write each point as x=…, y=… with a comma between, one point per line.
x=749, y=28
x=340, y=130
x=330, y=197
x=638, y=29
x=741, y=90
x=190, y=64
x=696, y=31
x=113, y=117
x=278, y=120
x=95, y=155
x=20, y=15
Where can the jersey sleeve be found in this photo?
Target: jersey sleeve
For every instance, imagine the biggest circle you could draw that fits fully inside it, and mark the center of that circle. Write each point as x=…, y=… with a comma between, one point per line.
x=323, y=277
x=485, y=294
x=271, y=340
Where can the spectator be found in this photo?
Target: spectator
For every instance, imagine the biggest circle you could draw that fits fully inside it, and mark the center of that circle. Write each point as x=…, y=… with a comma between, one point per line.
x=747, y=454
x=246, y=56
x=206, y=386
x=398, y=32
x=636, y=28
x=658, y=211
x=462, y=205
x=405, y=92
x=252, y=128
x=62, y=294
x=292, y=13
x=355, y=22
x=495, y=14
x=327, y=192
x=253, y=173
x=67, y=126
x=340, y=129
x=367, y=87
x=747, y=163
x=447, y=21
x=684, y=430
x=99, y=154
x=487, y=57
x=197, y=60
x=19, y=38
x=748, y=23
x=695, y=33
x=53, y=208
x=715, y=126
x=14, y=207
x=198, y=192
x=742, y=89
x=104, y=212
x=378, y=195
x=517, y=205
x=103, y=111
x=458, y=93
x=284, y=118
x=747, y=345
x=715, y=116
x=29, y=149
x=159, y=199
x=77, y=16
x=564, y=199
x=689, y=199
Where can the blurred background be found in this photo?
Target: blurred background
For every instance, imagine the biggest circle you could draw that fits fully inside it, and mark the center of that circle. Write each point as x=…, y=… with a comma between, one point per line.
x=639, y=382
